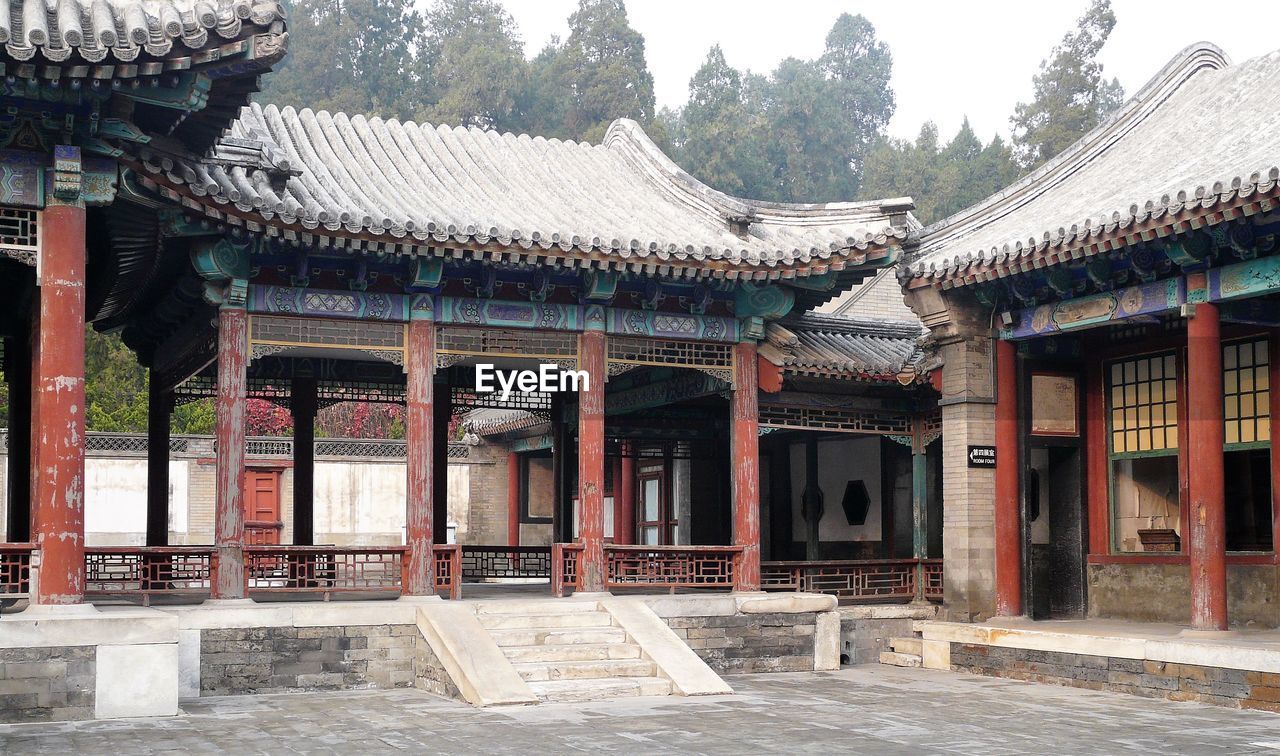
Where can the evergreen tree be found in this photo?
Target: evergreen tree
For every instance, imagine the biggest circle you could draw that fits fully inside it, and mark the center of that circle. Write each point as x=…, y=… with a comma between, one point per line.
x=858, y=68
x=471, y=66
x=1071, y=95
x=602, y=67
x=353, y=56
x=716, y=134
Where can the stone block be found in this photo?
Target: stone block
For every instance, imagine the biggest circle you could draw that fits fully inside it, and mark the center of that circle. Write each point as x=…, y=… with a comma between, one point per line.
x=137, y=681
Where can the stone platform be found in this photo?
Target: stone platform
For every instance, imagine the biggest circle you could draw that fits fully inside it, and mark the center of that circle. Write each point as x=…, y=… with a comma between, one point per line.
x=1237, y=668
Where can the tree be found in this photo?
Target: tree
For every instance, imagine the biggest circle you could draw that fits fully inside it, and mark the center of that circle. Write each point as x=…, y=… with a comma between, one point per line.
x=858, y=67
x=471, y=66
x=715, y=134
x=353, y=56
x=603, y=71
x=1071, y=96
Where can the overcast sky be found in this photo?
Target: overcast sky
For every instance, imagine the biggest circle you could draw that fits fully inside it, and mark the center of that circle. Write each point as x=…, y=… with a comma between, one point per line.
x=950, y=59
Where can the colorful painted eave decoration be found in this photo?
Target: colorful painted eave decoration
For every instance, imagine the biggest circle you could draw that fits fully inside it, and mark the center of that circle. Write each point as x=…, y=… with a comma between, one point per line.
x=495, y=313
x=1241, y=280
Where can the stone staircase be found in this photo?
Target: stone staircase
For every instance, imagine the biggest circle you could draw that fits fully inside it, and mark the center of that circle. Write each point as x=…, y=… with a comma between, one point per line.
x=571, y=651
x=907, y=652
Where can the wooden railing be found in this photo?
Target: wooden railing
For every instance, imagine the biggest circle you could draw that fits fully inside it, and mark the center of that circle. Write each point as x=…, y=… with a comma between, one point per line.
x=323, y=569
x=667, y=567
x=148, y=571
x=491, y=562
x=857, y=580
x=449, y=569
x=15, y=569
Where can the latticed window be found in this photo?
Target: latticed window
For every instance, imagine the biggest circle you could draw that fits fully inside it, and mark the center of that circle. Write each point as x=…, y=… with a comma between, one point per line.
x=1142, y=405
x=1246, y=392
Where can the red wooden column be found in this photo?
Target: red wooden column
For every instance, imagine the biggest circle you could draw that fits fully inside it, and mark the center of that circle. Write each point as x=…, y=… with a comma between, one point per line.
x=624, y=505
x=744, y=438
x=228, y=524
x=1008, y=531
x=591, y=461
x=419, y=434
x=513, y=499
x=1207, y=547
x=57, y=405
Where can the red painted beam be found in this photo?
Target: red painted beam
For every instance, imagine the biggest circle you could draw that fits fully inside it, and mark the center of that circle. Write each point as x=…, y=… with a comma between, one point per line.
x=513, y=499
x=58, y=409
x=1008, y=530
x=1207, y=546
x=744, y=439
x=228, y=525
x=419, y=436
x=591, y=360
x=624, y=507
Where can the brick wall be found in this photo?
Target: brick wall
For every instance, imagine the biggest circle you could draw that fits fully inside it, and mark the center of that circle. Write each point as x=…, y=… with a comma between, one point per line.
x=429, y=674
x=738, y=643
x=486, y=520
x=878, y=299
x=276, y=659
x=1177, y=682
x=863, y=640
x=56, y=683
x=1165, y=591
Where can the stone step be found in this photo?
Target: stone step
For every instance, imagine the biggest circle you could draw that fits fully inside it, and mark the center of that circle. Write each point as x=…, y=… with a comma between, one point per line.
x=899, y=660
x=572, y=652
x=595, y=690
x=912, y=646
x=565, y=636
x=544, y=621
x=537, y=606
x=584, y=670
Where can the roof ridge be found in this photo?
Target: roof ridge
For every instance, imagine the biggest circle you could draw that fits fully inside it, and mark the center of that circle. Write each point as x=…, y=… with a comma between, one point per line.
x=846, y=324
x=1190, y=61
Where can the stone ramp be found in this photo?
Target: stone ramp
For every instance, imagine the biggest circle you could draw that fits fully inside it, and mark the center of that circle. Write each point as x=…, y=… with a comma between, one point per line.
x=530, y=651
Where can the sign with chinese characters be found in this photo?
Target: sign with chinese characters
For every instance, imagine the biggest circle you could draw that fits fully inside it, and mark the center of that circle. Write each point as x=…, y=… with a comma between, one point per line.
x=982, y=456
x=1053, y=405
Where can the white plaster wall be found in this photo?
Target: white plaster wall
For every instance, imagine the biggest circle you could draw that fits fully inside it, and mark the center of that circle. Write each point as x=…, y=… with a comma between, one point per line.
x=116, y=501
x=839, y=461
x=458, y=481
x=360, y=497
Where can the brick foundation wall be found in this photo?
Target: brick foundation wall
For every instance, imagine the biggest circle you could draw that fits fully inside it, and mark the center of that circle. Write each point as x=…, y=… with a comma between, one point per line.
x=277, y=659
x=56, y=683
x=741, y=643
x=1177, y=682
x=429, y=674
x=1164, y=593
x=862, y=640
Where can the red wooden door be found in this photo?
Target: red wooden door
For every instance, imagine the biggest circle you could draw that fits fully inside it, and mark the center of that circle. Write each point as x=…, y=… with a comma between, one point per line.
x=262, y=507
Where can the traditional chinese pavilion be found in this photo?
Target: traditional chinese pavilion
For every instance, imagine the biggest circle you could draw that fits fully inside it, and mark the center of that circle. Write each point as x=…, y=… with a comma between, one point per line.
x=1108, y=323
x=247, y=251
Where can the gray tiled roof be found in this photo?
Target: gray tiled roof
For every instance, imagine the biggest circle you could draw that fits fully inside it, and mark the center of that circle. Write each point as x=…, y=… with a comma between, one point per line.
x=1200, y=135
x=121, y=30
x=619, y=203
x=492, y=422
x=829, y=345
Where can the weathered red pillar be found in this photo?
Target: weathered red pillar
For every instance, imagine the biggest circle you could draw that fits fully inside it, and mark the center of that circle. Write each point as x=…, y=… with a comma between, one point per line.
x=744, y=437
x=1008, y=531
x=419, y=435
x=624, y=506
x=159, y=407
x=57, y=405
x=591, y=461
x=1207, y=547
x=513, y=499
x=228, y=524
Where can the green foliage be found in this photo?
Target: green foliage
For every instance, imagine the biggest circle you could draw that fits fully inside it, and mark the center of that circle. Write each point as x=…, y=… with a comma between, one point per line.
x=471, y=66
x=798, y=135
x=1071, y=95
x=941, y=179
x=115, y=386
x=354, y=56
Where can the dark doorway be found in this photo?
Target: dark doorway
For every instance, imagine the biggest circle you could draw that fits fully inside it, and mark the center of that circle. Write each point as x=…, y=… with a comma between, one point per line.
x=1055, y=532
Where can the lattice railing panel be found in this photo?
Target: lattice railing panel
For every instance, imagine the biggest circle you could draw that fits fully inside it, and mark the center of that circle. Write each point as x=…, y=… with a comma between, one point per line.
x=148, y=571
x=486, y=562
x=672, y=566
x=323, y=569
x=835, y=419
x=564, y=567
x=852, y=580
x=466, y=398
x=932, y=571
x=448, y=559
x=15, y=569
x=332, y=392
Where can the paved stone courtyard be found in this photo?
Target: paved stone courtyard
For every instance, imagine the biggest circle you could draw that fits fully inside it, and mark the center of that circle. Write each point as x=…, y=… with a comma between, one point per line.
x=869, y=709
